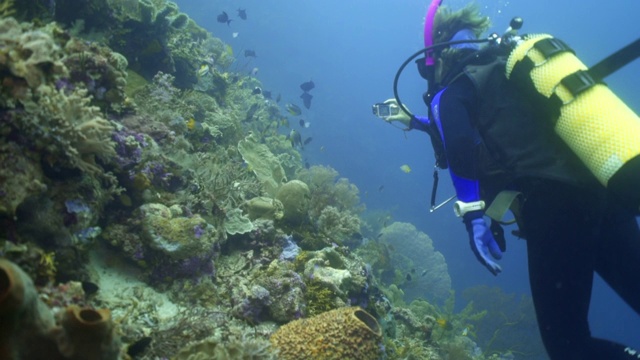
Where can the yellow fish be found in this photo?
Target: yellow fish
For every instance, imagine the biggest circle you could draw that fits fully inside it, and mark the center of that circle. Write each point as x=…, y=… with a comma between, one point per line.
x=204, y=70
x=405, y=168
x=191, y=124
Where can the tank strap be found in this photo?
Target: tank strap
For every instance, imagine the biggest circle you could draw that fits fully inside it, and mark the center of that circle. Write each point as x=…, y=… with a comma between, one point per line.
x=615, y=61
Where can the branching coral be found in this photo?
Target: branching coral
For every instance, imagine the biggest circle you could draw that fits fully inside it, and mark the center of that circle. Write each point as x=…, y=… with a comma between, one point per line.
x=60, y=122
x=65, y=125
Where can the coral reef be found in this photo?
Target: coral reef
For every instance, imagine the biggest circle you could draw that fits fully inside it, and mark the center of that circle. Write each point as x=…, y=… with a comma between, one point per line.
x=345, y=333
x=151, y=181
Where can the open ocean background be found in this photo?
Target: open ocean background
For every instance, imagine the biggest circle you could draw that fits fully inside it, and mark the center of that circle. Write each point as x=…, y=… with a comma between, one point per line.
x=352, y=49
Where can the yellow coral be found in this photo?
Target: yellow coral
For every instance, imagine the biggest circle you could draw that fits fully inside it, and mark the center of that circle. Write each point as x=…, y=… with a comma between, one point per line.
x=345, y=333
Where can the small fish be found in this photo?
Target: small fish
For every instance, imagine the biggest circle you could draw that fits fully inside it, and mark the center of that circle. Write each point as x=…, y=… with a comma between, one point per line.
x=444, y=324
x=295, y=138
x=413, y=270
x=308, y=140
x=465, y=331
x=304, y=124
x=266, y=94
x=89, y=288
x=254, y=71
x=306, y=99
x=256, y=91
x=293, y=109
x=242, y=14
x=284, y=122
x=204, y=70
x=380, y=188
x=307, y=165
x=424, y=272
x=250, y=53
x=307, y=86
x=192, y=124
x=408, y=277
x=322, y=148
x=138, y=347
x=224, y=18
x=278, y=98
x=235, y=34
x=405, y=168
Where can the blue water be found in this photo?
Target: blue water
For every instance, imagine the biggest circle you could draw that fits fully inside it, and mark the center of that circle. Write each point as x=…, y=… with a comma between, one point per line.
x=351, y=49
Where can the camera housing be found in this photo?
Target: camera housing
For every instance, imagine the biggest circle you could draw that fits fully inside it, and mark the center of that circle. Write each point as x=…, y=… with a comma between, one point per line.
x=383, y=110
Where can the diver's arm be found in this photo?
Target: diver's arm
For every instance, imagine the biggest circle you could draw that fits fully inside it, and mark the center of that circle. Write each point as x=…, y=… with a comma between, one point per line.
x=461, y=139
x=419, y=123
x=457, y=105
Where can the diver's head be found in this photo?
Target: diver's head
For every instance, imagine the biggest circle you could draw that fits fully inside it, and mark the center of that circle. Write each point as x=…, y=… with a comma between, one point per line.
x=445, y=25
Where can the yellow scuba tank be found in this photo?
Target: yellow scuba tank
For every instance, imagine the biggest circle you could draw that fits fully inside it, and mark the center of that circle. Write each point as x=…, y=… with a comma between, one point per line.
x=601, y=129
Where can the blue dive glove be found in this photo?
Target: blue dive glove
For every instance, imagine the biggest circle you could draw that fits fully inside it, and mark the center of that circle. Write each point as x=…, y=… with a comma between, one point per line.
x=482, y=241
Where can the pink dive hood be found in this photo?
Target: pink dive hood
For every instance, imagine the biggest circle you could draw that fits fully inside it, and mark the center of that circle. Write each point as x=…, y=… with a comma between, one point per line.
x=428, y=30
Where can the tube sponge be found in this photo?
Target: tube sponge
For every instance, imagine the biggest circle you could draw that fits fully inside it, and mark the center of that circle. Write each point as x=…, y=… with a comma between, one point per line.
x=87, y=334
x=345, y=333
x=24, y=319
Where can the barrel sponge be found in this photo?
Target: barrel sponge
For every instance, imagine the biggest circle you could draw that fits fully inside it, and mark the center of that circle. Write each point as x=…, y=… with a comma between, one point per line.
x=345, y=333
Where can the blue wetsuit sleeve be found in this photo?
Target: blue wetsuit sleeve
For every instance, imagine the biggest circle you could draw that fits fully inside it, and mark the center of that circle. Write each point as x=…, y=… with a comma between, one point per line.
x=419, y=123
x=461, y=138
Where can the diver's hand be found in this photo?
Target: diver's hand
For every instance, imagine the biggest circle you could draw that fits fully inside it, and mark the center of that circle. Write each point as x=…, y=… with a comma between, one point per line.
x=401, y=116
x=482, y=242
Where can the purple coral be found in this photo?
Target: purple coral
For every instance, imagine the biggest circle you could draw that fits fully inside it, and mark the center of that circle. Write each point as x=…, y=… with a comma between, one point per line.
x=129, y=147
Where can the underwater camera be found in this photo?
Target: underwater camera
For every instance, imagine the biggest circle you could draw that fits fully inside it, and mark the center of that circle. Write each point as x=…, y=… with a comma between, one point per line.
x=382, y=110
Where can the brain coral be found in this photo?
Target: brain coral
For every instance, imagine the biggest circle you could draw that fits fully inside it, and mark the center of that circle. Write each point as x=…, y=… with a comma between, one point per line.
x=345, y=333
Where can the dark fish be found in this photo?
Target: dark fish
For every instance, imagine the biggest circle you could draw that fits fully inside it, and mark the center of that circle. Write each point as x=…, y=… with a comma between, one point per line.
x=306, y=99
x=308, y=140
x=307, y=86
x=408, y=277
x=413, y=270
x=295, y=139
x=138, y=347
x=306, y=164
x=278, y=98
x=242, y=14
x=266, y=94
x=224, y=18
x=381, y=188
x=256, y=91
x=250, y=53
x=89, y=288
x=302, y=123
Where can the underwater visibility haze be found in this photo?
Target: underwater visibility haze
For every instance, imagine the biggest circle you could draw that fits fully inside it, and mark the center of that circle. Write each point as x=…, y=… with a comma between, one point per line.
x=205, y=179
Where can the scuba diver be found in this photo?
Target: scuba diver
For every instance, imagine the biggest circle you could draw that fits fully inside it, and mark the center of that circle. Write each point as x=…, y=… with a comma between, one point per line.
x=512, y=144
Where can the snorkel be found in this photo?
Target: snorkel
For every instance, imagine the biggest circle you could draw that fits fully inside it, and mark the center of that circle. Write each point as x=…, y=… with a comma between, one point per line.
x=428, y=31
